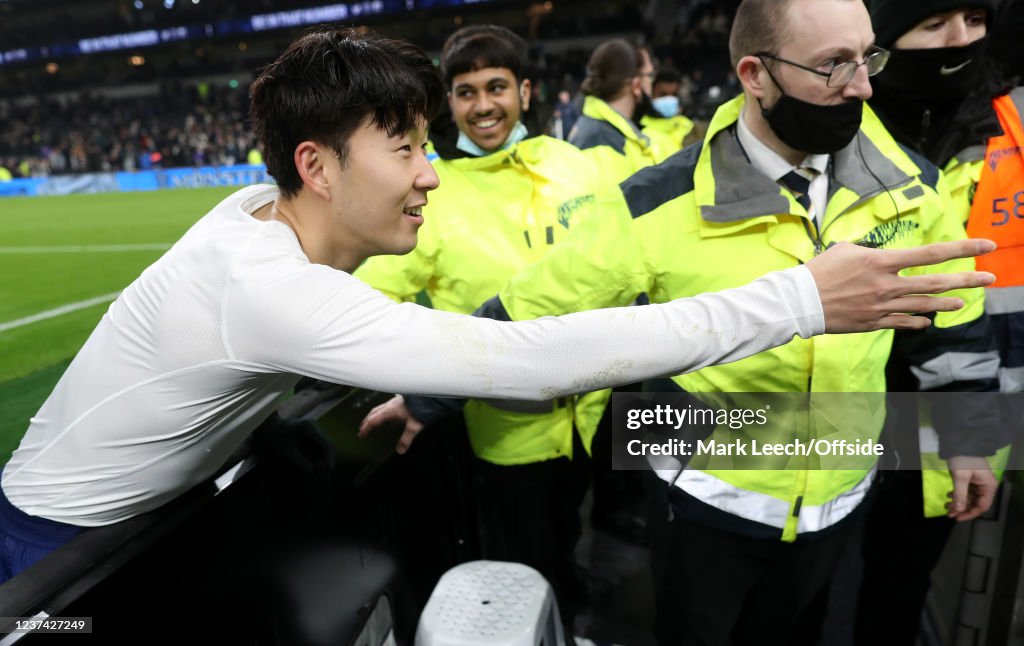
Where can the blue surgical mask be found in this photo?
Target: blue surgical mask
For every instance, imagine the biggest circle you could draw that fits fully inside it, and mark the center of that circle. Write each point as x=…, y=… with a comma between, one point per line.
x=467, y=145
x=666, y=106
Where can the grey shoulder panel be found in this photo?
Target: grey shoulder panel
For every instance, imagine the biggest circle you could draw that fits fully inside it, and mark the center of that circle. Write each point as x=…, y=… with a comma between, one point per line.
x=591, y=133
x=650, y=187
x=929, y=171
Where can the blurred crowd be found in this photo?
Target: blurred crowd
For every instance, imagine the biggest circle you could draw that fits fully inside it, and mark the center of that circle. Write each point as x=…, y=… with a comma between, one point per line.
x=65, y=24
x=190, y=123
x=183, y=126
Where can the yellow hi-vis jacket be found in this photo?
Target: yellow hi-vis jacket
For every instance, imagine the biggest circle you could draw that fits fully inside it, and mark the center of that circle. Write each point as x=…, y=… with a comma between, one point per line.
x=667, y=134
x=491, y=217
x=1004, y=303
x=706, y=220
x=614, y=142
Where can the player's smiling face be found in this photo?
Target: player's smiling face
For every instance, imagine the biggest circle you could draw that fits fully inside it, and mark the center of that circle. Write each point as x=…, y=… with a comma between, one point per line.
x=487, y=104
x=378, y=194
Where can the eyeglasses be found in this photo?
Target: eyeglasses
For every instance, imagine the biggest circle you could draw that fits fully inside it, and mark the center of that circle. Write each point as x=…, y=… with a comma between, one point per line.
x=841, y=73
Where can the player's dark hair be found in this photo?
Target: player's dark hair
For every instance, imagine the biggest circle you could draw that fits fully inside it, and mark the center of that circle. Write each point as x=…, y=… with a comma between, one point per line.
x=482, y=46
x=327, y=83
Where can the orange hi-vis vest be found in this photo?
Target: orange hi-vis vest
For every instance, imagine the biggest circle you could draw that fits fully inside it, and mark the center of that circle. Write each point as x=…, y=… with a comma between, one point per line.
x=997, y=211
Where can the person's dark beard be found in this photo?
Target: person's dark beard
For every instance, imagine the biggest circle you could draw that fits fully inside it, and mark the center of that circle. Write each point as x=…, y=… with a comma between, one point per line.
x=644, y=108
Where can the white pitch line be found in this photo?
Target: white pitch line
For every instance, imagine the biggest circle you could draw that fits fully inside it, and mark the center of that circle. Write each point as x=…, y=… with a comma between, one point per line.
x=58, y=311
x=93, y=248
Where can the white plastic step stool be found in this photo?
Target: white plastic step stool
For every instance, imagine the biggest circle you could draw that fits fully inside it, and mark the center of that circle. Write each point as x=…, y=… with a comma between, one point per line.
x=485, y=603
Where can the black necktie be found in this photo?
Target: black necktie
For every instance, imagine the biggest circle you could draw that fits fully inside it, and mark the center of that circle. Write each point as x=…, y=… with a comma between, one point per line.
x=800, y=187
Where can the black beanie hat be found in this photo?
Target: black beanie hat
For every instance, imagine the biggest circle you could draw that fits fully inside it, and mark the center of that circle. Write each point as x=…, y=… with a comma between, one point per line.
x=893, y=18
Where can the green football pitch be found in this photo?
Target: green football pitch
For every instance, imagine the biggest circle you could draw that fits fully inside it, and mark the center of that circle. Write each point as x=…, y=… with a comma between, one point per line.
x=62, y=261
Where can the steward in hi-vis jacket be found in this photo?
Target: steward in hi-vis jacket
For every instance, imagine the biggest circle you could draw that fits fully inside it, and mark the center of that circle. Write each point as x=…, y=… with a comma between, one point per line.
x=943, y=97
x=707, y=219
x=690, y=225
x=617, y=93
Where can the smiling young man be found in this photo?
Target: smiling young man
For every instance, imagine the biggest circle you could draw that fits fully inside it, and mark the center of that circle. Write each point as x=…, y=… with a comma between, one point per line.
x=196, y=352
x=788, y=169
x=376, y=196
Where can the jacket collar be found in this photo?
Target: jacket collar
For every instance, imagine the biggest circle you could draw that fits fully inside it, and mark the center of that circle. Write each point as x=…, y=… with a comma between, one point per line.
x=467, y=145
x=595, y=108
x=728, y=189
x=526, y=153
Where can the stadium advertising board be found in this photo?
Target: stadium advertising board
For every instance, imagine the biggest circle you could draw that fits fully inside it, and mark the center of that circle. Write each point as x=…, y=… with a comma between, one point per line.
x=200, y=177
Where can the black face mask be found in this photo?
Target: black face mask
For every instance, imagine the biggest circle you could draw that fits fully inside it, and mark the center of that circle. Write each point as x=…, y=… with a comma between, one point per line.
x=813, y=128
x=934, y=77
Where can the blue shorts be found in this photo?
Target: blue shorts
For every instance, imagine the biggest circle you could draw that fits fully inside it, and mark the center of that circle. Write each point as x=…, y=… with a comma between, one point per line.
x=25, y=539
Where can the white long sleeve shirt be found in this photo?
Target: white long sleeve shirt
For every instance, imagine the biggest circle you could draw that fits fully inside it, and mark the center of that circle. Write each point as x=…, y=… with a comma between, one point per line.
x=201, y=347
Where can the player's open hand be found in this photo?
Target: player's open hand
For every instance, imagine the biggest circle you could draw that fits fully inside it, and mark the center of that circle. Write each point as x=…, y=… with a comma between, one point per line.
x=861, y=289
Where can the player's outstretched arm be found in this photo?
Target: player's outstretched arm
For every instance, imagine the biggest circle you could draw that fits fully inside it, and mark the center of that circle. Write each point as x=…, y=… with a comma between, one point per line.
x=860, y=290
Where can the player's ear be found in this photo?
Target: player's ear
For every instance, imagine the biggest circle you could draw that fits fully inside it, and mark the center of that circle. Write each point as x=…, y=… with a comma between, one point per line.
x=310, y=162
